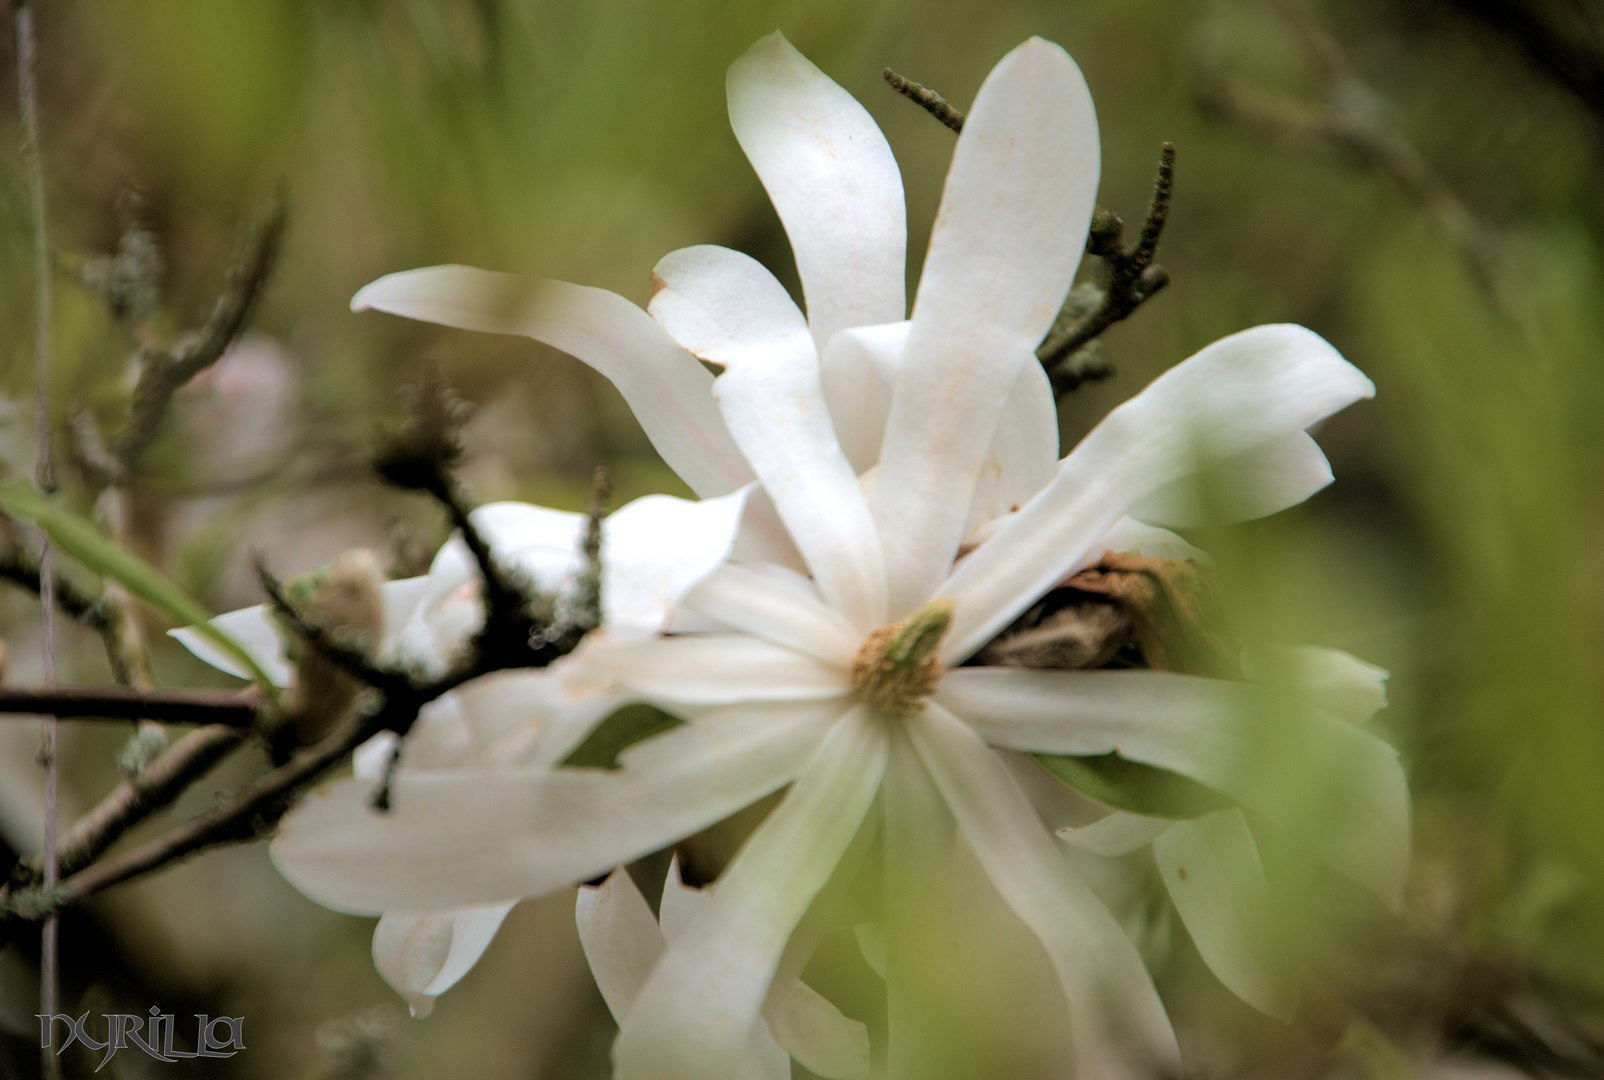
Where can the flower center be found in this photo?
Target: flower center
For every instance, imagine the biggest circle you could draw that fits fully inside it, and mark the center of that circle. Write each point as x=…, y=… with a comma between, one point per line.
x=898, y=667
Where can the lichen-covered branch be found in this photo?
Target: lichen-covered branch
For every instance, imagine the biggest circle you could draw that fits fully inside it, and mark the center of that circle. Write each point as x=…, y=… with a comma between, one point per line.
x=1132, y=279
x=136, y=798
x=522, y=630
x=249, y=814
x=927, y=99
x=163, y=372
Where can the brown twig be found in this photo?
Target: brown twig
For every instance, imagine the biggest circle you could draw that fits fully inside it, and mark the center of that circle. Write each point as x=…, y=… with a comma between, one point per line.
x=234, y=709
x=136, y=798
x=164, y=372
x=22, y=569
x=932, y=102
x=250, y=814
x=521, y=631
x=1133, y=279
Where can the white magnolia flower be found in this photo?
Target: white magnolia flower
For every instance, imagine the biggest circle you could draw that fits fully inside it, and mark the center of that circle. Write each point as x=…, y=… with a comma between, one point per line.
x=838, y=676
x=654, y=550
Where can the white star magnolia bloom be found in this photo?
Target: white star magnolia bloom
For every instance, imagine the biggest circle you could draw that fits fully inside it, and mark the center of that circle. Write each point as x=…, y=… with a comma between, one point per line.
x=882, y=446
x=655, y=549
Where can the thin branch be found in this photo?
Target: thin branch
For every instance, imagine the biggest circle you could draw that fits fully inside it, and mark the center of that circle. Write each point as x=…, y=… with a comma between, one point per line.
x=250, y=814
x=520, y=639
x=138, y=797
x=163, y=373
x=44, y=476
x=1133, y=279
x=932, y=102
x=22, y=569
x=1348, y=120
x=234, y=709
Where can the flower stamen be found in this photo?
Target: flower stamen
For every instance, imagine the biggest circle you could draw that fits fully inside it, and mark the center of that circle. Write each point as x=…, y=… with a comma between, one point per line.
x=898, y=667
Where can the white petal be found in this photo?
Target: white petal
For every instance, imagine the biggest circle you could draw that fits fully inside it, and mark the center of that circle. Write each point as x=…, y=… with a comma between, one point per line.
x=777, y=414
x=253, y=628
x=697, y=1016
x=369, y=761
x=806, y=1025
x=1003, y=252
x=621, y=939
x=467, y=836
x=780, y=609
x=1335, y=786
x=969, y=990
x=1130, y=535
x=871, y=938
x=762, y=537
x=813, y=1031
x=1119, y=1024
x=1261, y=482
x=424, y=955
x=1240, y=393
x=728, y=307
x=656, y=549
x=681, y=903
x=1338, y=682
x=725, y=306
x=833, y=180
x=401, y=599
x=541, y=543
x=526, y=716
x=664, y=385
x=1117, y=834
x=718, y=669
x=1023, y=457
x=859, y=371
x=1211, y=867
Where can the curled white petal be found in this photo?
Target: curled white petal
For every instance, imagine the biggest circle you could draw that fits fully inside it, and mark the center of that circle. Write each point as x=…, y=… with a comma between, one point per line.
x=1211, y=867
x=423, y=955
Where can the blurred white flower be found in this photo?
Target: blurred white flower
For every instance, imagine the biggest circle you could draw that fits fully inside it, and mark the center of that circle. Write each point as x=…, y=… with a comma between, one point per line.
x=825, y=657
x=653, y=550
x=624, y=942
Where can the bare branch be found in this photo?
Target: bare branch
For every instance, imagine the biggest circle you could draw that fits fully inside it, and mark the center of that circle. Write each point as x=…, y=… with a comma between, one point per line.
x=1133, y=279
x=44, y=471
x=22, y=569
x=235, y=709
x=250, y=814
x=162, y=373
x=136, y=798
x=932, y=102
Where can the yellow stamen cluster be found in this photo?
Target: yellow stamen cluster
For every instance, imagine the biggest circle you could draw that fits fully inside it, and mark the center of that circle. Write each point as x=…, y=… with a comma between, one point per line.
x=898, y=666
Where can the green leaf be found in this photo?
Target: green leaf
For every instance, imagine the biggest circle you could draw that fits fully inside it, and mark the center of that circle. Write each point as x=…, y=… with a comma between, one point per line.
x=617, y=733
x=80, y=539
x=1130, y=785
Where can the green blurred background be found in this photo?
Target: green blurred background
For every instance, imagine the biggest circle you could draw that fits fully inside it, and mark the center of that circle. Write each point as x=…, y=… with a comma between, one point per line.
x=1427, y=197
